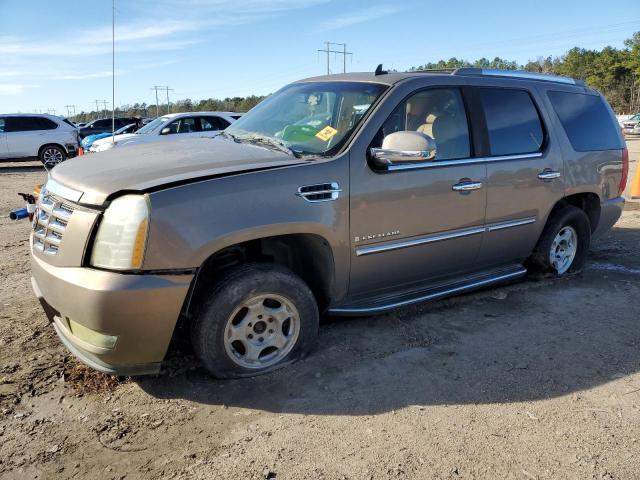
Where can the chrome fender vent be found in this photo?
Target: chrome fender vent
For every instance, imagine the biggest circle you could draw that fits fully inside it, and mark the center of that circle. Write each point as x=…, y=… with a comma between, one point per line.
x=322, y=192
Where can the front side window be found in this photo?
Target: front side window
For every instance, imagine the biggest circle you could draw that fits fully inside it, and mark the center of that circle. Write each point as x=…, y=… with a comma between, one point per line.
x=512, y=121
x=1, y=125
x=586, y=120
x=308, y=118
x=438, y=113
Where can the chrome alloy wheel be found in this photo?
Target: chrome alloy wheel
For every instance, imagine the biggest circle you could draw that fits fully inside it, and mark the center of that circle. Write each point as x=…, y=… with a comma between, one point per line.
x=563, y=249
x=52, y=156
x=261, y=331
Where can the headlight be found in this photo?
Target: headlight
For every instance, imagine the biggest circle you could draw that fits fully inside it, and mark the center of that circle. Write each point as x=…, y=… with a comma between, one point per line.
x=122, y=235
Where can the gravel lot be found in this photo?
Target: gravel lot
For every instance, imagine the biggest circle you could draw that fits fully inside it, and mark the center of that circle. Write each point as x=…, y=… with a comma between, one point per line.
x=538, y=379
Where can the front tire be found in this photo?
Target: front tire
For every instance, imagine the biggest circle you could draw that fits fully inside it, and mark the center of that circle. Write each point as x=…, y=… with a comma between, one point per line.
x=564, y=242
x=257, y=318
x=52, y=155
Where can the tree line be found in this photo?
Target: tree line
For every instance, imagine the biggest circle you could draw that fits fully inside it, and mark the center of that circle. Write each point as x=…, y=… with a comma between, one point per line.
x=614, y=72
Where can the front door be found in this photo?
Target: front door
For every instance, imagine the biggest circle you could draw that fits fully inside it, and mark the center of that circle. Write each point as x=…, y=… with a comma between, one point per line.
x=416, y=224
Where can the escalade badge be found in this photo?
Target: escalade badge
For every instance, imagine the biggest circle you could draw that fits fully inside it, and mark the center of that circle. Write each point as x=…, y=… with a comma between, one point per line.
x=373, y=236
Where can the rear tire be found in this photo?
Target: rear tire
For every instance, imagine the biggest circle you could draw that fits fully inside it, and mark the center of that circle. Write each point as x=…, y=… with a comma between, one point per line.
x=257, y=318
x=52, y=155
x=564, y=243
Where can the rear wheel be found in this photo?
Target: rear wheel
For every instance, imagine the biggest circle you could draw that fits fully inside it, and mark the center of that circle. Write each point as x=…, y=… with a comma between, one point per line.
x=564, y=242
x=258, y=318
x=52, y=155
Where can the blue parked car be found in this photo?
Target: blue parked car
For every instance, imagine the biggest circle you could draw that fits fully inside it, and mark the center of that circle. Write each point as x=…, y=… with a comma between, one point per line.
x=89, y=139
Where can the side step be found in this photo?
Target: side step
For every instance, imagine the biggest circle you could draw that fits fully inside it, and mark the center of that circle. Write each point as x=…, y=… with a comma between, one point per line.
x=388, y=302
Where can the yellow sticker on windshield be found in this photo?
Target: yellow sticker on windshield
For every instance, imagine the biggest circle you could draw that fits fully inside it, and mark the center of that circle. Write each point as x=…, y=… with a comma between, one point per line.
x=326, y=133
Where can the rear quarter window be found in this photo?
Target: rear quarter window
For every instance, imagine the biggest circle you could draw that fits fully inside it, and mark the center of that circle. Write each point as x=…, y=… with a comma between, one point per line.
x=586, y=120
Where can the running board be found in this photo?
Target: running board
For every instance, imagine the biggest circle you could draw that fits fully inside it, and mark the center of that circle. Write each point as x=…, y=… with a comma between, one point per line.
x=382, y=305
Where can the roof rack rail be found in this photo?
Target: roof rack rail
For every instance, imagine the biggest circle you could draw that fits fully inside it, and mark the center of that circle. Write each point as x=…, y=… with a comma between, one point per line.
x=517, y=74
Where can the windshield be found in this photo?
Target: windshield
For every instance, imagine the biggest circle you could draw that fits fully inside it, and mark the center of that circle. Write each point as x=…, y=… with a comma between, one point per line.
x=153, y=125
x=309, y=118
x=123, y=129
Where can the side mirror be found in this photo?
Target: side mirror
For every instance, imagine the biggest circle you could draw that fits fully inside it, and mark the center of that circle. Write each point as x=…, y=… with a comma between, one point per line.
x=165, y=131
x=404, y=148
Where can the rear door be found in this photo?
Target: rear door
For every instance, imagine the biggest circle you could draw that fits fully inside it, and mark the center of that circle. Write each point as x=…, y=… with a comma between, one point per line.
x=24, y=137
x=4, y=149
x=524, y=172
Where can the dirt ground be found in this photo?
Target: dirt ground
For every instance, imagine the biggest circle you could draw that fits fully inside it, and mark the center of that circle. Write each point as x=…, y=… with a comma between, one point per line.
x=539, y=379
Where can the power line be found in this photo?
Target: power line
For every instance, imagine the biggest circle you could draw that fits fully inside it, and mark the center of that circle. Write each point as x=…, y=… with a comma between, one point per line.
x=344, y=54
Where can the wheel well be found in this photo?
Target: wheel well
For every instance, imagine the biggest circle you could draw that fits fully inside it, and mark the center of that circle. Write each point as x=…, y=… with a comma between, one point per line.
x=308, y=255
x=51, y=145
x=588, y=202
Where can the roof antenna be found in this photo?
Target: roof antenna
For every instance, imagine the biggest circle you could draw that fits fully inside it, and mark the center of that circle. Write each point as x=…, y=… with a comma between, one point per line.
x=380, y=71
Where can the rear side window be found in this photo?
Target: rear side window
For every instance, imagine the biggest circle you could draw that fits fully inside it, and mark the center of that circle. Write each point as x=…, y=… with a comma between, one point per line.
x=22, y=124
x=45, y=124
x=512, y=121
x=213, y=123
x=586, y=121
x=1, y=125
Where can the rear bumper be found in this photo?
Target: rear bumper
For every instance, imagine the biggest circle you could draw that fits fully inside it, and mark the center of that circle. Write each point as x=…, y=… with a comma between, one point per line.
x=140, y=310
x=610, y=211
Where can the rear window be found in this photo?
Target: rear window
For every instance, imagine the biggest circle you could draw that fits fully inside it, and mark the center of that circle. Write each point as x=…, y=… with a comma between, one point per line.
x=512, y=121
x=586, y=121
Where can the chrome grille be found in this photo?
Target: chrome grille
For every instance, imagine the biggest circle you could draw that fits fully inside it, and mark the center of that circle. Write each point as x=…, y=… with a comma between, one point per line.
x=50, y=223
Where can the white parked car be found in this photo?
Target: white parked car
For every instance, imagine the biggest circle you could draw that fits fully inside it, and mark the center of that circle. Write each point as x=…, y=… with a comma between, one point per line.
x=631, y=126
x=191, y=124
x=49, y=138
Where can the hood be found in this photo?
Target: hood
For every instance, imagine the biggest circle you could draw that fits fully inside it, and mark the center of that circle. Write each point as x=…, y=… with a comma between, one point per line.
x=145, y=166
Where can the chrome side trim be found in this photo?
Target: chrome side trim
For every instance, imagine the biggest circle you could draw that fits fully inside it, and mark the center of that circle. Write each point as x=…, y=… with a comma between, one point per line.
x=512, y=223
x=430, y=296
x=464, y=161
x=437, y=237
x=61, y=191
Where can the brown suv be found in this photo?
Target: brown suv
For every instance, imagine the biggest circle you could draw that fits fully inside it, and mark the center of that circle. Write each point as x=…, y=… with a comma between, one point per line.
x=348, y=195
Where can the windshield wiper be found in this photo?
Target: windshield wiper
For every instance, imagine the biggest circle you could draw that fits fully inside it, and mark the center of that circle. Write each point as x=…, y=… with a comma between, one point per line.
x=265, y=141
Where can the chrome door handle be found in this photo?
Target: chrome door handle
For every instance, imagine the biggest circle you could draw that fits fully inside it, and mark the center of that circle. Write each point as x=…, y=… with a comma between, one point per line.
x=466, y=186
x=549, y=175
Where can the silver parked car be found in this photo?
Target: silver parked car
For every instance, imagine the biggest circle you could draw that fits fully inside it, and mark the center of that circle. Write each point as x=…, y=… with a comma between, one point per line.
x=48, y=138
x=343, y=195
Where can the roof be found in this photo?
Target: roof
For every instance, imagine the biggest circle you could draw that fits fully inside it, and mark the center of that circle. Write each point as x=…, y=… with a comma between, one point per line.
x=392, y=78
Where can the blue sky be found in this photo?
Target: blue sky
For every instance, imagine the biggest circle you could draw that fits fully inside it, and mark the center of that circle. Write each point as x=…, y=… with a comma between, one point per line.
x=57, y=53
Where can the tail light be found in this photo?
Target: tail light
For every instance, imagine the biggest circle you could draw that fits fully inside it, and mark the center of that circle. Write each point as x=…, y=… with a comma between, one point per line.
x=625, y=171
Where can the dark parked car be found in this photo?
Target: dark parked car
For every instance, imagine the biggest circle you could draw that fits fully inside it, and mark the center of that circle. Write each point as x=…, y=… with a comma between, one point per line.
x=103, y=125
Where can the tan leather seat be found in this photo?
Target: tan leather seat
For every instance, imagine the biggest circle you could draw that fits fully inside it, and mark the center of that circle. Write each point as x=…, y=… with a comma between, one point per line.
x=427, y=127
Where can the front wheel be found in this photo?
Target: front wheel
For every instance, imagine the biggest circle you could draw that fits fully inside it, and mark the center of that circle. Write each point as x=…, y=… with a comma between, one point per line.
x=564, y=242
x=52, y=155
x=258, y=318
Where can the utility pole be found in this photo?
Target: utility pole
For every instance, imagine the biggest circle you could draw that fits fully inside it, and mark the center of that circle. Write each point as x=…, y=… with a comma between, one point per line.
x=113, y=70
x=344, y=54
x=166, y=89
x=104, y=106
x=69, y=109
x=168, y=104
